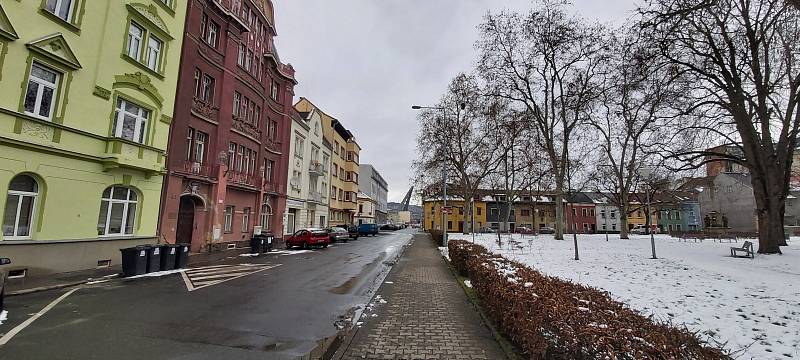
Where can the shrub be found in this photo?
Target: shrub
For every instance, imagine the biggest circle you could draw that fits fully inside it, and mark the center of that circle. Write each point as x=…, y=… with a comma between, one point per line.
x=551, y=318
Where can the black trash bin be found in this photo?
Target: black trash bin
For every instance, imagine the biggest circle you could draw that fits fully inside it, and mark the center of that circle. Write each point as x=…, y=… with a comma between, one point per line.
x=153, y=258
x=182, y=256
x=134, y=260
x=168, y=253
x=268, y=238
x=256, y=244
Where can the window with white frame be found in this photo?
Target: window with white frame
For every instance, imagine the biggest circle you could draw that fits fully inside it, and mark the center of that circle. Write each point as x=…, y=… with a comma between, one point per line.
x=200, y=140
x=189, y=143
x=154, y=53
x=211, y=34
x=237, y=100
x=231, y=155
x=20, y=204
x=130, y=121
x=207, y=89
x=60, y=8
x=299, y=145
x=274, y=91
x=240, y=159
x=135, y=35
x=117, y=211
x=197, y=75
x=40, y=96
x=268, y=170
x=266, y=213
x=246, y=220
x=228, y=226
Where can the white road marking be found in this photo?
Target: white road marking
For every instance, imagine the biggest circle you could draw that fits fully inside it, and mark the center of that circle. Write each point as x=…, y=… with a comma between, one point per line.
x=26, y=323
x=199, y=278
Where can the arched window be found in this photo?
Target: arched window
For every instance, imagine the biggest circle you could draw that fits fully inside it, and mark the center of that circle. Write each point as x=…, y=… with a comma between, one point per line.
x=266, y=214
x=117, y=211
x=20, y=205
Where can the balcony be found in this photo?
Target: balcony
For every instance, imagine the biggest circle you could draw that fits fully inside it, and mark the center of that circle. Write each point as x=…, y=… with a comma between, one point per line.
x=315, y=168
x=270, y=187
x=197, y=169
x=242, y=179
x=315, y=196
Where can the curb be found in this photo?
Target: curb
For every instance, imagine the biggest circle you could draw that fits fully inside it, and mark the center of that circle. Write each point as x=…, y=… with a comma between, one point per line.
x=504, y=344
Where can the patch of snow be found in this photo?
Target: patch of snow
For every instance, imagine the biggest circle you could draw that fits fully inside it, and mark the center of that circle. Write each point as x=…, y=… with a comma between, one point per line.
x=97, y=282
x=249, y=255
x=753, y=305
x=389, y=282
x=580, y=308
x=443, y=251
x=3, y=316
x=468, y=284
x=528, y=284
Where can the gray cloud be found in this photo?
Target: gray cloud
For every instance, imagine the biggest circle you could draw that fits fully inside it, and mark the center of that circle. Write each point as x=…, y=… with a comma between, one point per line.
x=367, y=61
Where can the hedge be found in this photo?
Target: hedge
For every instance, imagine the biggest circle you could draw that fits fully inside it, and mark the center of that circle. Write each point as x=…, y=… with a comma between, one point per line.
x=551, y=318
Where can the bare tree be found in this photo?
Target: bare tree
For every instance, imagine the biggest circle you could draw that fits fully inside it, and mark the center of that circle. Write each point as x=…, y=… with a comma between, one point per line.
x=743, y=58
x=638, y=92
x=458, y=135
x=546, y=62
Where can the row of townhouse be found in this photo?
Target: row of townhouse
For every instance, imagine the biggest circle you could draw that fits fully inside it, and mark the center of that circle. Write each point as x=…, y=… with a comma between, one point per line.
x=585, y=212
x=133, y=122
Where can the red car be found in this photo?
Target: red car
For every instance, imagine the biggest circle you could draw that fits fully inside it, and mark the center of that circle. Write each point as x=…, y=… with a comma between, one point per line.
x=308, y=237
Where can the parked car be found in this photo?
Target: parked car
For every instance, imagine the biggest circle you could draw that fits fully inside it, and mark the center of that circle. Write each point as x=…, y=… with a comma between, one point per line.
x=351, y=229
x=523, y=230
x=547, y=230
x=306, y=238
x=642, y=230
x=486, y=230
x=3, y=277
x=390, y=227
x=368, y=229
x=338, y=234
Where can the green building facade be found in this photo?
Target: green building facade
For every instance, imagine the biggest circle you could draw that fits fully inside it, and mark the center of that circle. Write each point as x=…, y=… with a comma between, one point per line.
x=87, y=90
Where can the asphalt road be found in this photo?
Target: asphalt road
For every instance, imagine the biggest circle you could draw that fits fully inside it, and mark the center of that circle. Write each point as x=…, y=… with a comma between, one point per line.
x=278, y=306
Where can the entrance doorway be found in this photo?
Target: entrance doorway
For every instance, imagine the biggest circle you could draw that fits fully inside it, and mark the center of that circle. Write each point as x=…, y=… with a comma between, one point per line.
x=185, y=229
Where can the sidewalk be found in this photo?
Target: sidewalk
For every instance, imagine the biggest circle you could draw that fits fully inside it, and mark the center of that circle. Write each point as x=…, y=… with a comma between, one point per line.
x=426, y=314
x=63, y=280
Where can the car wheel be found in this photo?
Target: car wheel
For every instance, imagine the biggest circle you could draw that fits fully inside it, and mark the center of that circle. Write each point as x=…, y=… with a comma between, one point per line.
x=288, y=246
x=324, y=246
x=305, y=246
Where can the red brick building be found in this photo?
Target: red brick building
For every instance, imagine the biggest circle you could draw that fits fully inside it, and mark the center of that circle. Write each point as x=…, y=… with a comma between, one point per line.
x=580, y=214
x=226, y=158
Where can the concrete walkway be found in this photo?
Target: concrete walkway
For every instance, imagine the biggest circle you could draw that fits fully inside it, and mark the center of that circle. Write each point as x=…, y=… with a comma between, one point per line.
x=426, y=315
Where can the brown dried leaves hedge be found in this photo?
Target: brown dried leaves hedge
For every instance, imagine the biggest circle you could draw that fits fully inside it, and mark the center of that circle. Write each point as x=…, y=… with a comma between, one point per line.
x=550, y=318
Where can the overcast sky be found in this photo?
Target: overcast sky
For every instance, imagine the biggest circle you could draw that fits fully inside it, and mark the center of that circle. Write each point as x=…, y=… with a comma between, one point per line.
x=366, y=62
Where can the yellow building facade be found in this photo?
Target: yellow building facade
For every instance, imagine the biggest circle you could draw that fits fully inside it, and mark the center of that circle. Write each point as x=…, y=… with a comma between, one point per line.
x=432, y=216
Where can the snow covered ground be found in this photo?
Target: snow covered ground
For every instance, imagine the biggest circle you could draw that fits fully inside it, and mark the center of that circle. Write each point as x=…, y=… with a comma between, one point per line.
x=752, y=305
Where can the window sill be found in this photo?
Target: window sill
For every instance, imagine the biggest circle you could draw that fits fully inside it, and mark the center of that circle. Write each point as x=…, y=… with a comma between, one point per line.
x=70, y=26
x=142, y=66
x=116, y=236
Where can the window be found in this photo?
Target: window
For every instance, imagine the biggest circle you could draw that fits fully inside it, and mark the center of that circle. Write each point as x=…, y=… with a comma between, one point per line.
x=272, y=130
x=197, y=76
x=266, y=213
x=211, y=34
x=274, y=91
x=240, y=159
x=479, y=210
x=341, y=194
x=231, y=155
x=207, y=94
x=335, y=170
x=584, y=212
x=228, y=219
x=153, y=53
x=135, y=35
x=246, y=220
x=333, y=192
x=237, y=100
x=613, y=214
x=248, y=60
x=493, y=211
x=189, y=140
x=526, y=213
x=131, y=121
x=117, y=211
x=269, y=167
x=200, y=146
x=677, y=215
x=347, y=196
x=602, y=214
x=20, y=204
x=299, y=145
x=242, y=52
x=341, y=173
x=336, y=147
x=60, y=8
x=41, y=94
x=256, y=115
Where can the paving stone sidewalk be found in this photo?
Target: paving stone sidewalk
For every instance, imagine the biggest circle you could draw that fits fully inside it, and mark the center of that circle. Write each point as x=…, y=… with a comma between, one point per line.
x=427, y=314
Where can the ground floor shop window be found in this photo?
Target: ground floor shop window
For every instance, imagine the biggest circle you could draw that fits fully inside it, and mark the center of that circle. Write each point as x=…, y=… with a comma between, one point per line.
x=20, y=204
x=117, y=211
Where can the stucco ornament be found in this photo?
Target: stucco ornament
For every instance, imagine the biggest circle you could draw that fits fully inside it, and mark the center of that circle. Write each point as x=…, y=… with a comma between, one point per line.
x=150, y=13
x=36, y=130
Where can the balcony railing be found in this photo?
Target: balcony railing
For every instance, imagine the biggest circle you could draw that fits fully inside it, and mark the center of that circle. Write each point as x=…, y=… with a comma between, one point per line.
x=243, y=179
x=270, y=187
x=315, y=168
x=196, y=168
x=315, y=196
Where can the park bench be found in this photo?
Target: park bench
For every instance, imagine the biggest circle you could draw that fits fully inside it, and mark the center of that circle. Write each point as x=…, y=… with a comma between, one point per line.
x=747, y=248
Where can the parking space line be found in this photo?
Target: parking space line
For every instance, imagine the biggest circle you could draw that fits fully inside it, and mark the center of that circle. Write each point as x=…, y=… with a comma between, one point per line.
x=26, y=323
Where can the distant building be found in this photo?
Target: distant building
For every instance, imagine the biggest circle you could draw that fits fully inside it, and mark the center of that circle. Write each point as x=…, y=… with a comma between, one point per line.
x=373, y=185
x=727, y=202
x=580, y=214
x=366, y=211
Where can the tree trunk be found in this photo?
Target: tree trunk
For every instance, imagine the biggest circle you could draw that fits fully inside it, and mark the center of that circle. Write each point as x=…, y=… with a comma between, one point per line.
x=559, y=202
x=623, y=222
x=770, y=204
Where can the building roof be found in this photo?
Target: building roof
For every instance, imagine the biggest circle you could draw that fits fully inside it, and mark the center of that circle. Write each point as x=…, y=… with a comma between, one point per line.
x=693, y=184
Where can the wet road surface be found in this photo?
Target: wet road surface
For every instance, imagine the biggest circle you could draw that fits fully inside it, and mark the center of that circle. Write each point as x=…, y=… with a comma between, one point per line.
x=278, y=306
